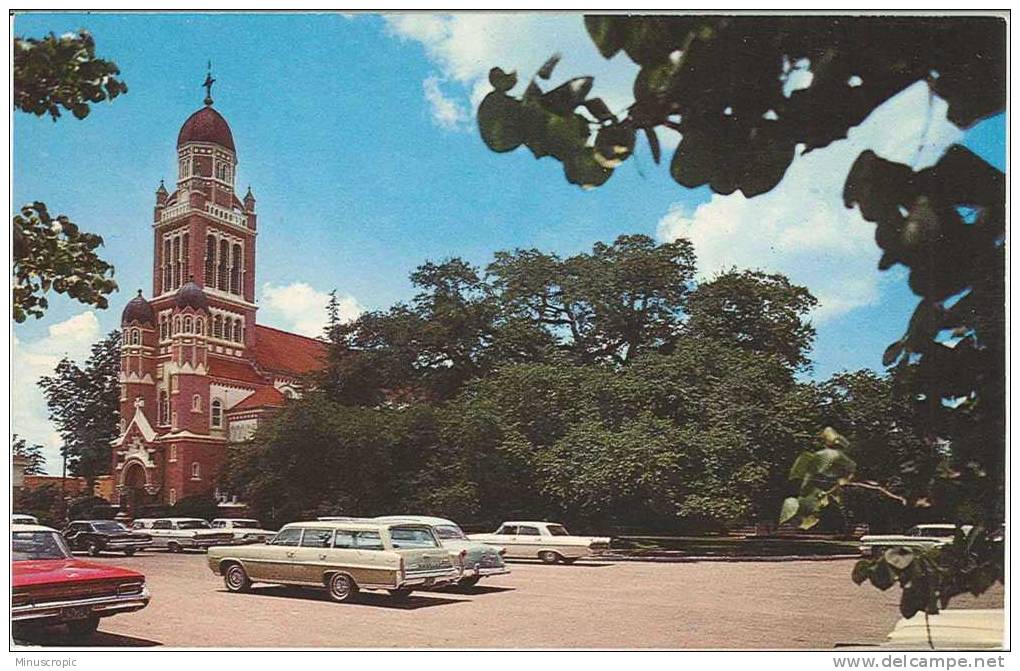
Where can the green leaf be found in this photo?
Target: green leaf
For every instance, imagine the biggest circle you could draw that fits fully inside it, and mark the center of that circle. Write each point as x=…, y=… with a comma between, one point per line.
x=881, y=576
x=653, y=144
x=805, y=466
x=808, y=522
x=834, y=463
x=567, y=96
x=547, y=68
x=789, y=510
x=499, y=122
x=606, y=32
x=502, y=81
x=598, y=109
x=861, y=571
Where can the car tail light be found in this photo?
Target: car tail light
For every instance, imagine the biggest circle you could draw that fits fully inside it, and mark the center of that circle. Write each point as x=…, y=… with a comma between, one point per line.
x=130, y=587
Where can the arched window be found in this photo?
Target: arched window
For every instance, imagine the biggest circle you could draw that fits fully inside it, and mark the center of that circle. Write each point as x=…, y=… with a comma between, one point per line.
x=196, y=471
x=167, y=286
x=187, y=324
x=173, y=453
x=196, y=403
x=217, y=329
x=216, y=414
x=182, y=168
x=235, y=270
x=237, y=330
x=173, y=497
x=135, y=337
x=164, y=408
x=210, y=261
x=199, y=326
x=177, y=324
x=176, y=277
x=164, y=327
x=221, y=271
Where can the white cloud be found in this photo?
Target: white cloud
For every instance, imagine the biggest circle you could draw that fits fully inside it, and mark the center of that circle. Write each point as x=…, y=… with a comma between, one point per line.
x=465, y=46
x=33, y=359
x=801, y=228
x=445, y=111
x=300, y=308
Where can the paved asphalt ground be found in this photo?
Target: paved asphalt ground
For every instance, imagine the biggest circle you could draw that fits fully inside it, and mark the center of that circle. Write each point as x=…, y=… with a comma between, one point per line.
x=797, y=604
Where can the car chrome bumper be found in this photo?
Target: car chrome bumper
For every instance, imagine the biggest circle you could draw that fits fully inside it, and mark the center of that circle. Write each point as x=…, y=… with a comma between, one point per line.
x=100, y=605
x=482, y=571
x=430, y=578
x=134, y=545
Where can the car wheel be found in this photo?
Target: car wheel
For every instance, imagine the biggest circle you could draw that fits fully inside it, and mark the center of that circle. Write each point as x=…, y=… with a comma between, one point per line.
x=129, y=552
x=401, y=594
x=341, y=587
x=85, y=627
x=548, y=557
x=469, y=582
x=236, y=579
x=173, y=547
x=93, y=550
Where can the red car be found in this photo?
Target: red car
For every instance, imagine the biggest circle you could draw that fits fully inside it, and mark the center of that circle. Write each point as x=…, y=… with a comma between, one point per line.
x=49, y=586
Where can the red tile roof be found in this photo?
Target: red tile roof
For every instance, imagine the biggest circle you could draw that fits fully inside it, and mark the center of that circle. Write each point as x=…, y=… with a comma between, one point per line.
x=283, y=352
x=239, y=370
x=264, y=397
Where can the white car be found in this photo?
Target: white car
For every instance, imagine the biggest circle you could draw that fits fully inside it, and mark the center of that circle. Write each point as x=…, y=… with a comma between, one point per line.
x=547, y=541
x=21, y=518
x=180, y=533
x=919, y=536
x=475, y=560
x=244, y=531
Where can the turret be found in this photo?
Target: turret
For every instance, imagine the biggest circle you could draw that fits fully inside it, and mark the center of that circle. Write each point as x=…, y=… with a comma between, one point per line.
x=138, y=347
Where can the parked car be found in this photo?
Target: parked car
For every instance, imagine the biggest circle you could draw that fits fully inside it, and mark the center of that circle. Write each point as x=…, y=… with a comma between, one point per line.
x=919, y=536
x=50, y=586
x=96, y=536
x=244, y=531
x=547, y=541
x=21, y=518
x=181, y=533
x=343, y=557
x=475, y=560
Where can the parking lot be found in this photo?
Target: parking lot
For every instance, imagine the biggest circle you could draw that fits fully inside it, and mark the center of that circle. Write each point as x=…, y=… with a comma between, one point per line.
x=592, y=604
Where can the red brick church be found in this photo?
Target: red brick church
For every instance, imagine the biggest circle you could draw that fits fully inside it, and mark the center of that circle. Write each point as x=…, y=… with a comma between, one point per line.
x=197, y=371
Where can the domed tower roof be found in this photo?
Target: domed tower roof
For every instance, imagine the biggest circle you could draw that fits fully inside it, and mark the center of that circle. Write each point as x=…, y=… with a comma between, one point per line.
x=206, y=125
x=138, y=310
x=190, y=295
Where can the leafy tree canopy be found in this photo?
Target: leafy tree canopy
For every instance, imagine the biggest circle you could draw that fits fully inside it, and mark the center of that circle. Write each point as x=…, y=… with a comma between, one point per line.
x=84, y=405
x=62, y=72
x=35, y=461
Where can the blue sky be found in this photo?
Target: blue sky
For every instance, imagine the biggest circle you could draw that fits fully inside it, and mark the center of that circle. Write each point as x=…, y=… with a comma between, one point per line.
x=357, y=137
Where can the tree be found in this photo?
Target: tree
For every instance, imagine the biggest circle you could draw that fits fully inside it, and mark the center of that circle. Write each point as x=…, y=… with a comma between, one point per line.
x=757, y=312
x=52, y=252
x=747, y=94
x=62, y=72
x=84, y=404
x=35, y=461
x=45, y=503
x=611, y=304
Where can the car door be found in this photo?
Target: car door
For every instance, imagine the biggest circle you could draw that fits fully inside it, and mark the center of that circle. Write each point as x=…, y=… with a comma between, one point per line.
x=161, y=532
x=277, y=562
x=312, y=555
x=528, y=540
x=507, y=536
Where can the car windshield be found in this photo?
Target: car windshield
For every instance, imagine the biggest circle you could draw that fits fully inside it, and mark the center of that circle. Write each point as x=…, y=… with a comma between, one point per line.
x=449, y=531
x=557, y=530
x=27, y=545
x=412, y=537
x=193, y=524
x=245, y=524
x=111, y=527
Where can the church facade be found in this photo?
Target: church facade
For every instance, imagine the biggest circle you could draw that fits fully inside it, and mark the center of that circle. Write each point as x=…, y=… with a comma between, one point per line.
x=197, y=370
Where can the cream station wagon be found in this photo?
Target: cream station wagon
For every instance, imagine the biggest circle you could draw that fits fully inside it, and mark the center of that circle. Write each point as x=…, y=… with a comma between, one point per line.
x=343, y=557
x=547, y=541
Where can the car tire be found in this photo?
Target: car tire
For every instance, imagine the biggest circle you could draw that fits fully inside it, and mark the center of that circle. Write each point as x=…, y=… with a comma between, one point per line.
x=173, y=547
x=400, y=594
x=341, y=587
x=129, y=552
x=83, y=627
x=548, y=557
x=236, y=579
x=93, y=550
x=469, y=582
